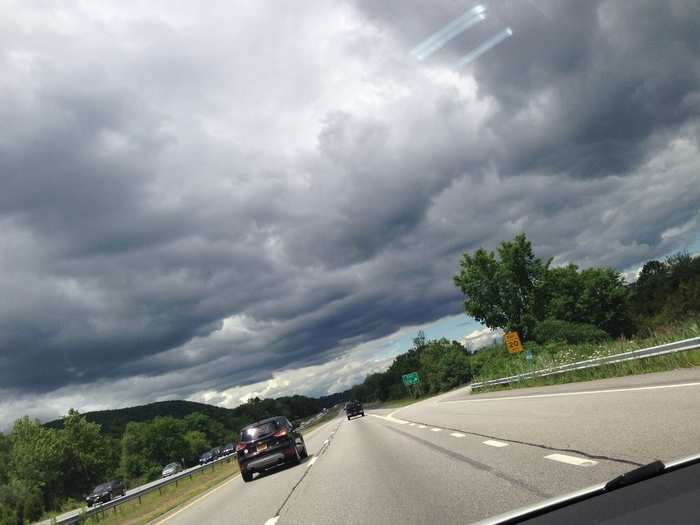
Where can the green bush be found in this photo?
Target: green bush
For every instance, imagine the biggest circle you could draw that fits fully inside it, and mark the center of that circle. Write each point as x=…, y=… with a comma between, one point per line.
x=554, y=330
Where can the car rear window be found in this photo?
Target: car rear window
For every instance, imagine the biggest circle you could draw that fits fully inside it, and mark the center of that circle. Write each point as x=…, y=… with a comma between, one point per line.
x=251, y=433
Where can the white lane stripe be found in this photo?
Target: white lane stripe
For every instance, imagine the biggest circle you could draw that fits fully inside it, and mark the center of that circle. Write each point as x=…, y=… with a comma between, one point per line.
x=494, y=443
x=313, y=460
x=457, y=435
x=200, y=498
x=571, y=460
x=435, y=429
x=584, y=393
x=422, y=426
x=272, y=521
x=411, y=424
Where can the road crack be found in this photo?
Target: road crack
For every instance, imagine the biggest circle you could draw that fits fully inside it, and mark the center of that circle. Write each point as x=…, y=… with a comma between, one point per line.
x=476, y=464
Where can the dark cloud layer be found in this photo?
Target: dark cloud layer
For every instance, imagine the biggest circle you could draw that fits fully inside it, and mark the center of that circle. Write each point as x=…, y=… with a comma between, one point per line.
x=191, y=202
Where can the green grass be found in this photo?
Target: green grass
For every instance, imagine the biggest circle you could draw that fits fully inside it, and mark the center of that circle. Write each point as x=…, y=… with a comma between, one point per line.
x=547, y=356
x=155, y=504
x=398, y=403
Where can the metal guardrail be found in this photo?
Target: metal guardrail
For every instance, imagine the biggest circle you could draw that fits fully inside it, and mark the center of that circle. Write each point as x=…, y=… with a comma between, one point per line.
x=668, y=348
x=79, y=515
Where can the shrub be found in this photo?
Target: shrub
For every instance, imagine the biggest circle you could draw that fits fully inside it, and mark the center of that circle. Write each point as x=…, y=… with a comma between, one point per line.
x=551, y=330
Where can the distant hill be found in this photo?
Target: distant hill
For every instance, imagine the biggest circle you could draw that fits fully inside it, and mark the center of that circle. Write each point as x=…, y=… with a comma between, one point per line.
x=296, y=408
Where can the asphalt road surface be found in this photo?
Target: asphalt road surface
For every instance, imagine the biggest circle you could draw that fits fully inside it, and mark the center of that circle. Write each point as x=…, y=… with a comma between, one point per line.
x=459, y=458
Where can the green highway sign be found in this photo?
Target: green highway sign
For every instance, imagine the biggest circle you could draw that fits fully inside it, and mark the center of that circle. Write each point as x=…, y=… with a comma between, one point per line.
x=410, y=379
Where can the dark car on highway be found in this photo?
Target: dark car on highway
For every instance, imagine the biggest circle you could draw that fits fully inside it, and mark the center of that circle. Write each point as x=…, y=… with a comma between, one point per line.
x=206, y=457
x=228, y=449
x=105, y=492
x=354, y=408
x=268, y=443
x=215, y=453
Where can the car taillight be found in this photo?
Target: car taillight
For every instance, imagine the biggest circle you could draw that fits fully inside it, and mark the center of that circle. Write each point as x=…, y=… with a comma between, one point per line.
x=240, y=446
x=281, y=433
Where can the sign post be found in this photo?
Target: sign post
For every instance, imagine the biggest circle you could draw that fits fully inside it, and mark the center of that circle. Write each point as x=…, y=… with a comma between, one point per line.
x=412, y=382
x=513, y=343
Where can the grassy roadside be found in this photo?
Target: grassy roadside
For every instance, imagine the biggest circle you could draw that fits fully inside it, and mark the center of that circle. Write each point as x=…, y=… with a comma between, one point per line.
x=321, y=421
x=155, y=504
x=396, y=403
x=554, y=355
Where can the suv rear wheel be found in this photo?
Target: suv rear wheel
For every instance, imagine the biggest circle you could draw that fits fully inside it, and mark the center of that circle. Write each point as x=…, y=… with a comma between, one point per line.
x=247, y=476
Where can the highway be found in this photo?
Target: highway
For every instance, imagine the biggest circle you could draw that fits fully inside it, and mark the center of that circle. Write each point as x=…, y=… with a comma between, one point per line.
x=459, y=458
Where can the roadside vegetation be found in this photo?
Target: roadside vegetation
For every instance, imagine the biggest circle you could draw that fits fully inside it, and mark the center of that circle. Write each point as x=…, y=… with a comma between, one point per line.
x=562, y=314
x=159, y=503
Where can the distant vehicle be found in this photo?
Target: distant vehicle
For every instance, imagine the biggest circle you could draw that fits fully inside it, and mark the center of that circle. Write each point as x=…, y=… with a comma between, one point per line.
x=354, y=408
x=171, y=468
x=228, y=449
x=268, y=443
x=207, y=457
x=105, y=492
x=215, y=452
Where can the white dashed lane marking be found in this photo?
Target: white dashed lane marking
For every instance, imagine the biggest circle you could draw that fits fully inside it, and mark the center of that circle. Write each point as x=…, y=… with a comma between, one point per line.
x=435, y=429
x=571, y=460
x=457, y=435
x=494, y=443
x=422, y=426
x=272, y=521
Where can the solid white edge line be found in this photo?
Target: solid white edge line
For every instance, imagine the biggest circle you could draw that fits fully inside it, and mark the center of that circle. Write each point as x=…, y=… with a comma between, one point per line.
x=584, y=393
x=457, y=435
x=494, y=443
x=571, y=460
x=200, y=498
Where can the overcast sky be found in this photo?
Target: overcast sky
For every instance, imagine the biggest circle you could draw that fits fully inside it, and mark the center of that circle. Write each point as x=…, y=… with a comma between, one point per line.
x=247, y=200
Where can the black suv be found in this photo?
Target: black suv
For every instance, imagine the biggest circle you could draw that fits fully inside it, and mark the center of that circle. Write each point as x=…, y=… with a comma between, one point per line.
x=354, y=408
x=269, y=443
x=206, y=458
x=105, y=492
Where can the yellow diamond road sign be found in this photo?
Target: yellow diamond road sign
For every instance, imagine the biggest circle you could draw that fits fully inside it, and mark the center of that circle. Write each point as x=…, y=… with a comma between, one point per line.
x=513, y=343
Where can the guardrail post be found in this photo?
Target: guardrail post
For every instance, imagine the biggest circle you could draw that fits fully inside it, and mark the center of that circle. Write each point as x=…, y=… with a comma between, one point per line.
x=176, y=483
x=139, y=499
x=160, y=491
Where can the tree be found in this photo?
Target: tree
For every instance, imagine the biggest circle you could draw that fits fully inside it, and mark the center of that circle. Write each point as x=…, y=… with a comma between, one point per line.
x=507, y=292
x=35, y=458
x=86, y=457
x=197, y=444
x=604, y=301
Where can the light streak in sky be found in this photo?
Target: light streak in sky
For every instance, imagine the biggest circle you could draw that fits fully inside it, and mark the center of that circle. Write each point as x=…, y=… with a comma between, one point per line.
x=486, y=46
x=447, y=33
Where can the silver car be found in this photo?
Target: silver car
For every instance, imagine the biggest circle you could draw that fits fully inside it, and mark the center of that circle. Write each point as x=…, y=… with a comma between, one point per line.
x=171, y=468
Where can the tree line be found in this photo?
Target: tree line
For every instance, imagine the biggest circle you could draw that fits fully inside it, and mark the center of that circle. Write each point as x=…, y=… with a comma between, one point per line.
x=52, y=467
x=514, y=290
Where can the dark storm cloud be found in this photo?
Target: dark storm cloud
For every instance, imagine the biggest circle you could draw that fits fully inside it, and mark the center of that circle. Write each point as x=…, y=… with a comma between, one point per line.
x=584, y=88
x=186, y=208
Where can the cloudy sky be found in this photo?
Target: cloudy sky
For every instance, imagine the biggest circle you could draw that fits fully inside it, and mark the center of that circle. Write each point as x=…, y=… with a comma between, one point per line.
x=211, y=204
